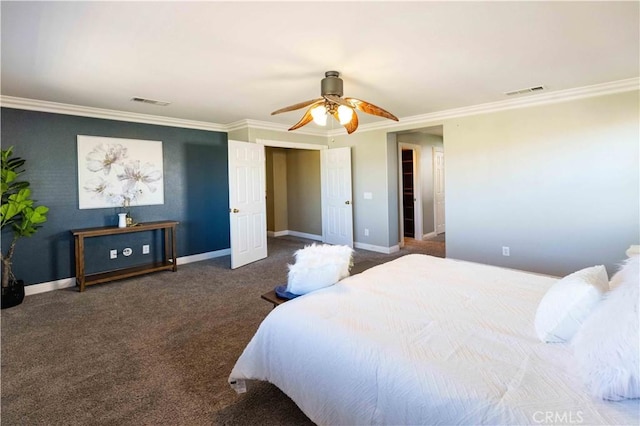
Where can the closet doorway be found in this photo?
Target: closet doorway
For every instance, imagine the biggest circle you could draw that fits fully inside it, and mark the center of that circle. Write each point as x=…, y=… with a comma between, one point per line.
x=299, y=199
x=421, y=201
x=408, y=193
x=410, y=190
x=293, y=190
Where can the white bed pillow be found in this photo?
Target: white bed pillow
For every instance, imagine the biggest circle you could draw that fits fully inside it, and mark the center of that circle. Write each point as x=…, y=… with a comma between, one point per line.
x=568, y=302
x=318, y=266
x=607, y=347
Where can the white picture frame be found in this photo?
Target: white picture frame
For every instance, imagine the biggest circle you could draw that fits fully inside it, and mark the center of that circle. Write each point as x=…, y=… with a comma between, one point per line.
x=115, y=172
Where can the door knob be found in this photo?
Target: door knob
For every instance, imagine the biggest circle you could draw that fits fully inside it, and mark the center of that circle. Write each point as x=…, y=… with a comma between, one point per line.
x=234, y=211
x=347, y=202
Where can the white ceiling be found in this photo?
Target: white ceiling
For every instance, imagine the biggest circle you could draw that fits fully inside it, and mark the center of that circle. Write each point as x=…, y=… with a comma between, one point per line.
x=221, y=62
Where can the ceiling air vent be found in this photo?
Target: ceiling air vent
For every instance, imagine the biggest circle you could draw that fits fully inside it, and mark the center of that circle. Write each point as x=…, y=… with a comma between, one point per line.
x=523, y=91
x=150, y=101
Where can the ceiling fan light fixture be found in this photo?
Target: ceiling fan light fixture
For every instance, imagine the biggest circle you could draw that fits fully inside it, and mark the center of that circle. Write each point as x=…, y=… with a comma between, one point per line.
x=319, y=115
x=345, y=114
x=332, y=103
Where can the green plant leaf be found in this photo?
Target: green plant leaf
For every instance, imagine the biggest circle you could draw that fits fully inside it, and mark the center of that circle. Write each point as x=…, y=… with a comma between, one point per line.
x=17, y=210
x=37, y=215
x=8, y=211
x=8, y=176
x=23, y=195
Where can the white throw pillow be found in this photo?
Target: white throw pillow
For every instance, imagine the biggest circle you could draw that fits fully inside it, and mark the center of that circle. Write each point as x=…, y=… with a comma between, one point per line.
x=607, y=347
x=568, y=302
x=318, y=266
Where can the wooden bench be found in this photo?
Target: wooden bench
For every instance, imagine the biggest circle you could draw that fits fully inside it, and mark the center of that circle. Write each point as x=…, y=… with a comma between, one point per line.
x=272, y=297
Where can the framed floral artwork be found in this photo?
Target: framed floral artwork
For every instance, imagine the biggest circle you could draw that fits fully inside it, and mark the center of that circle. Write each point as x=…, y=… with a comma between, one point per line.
x=116, y=172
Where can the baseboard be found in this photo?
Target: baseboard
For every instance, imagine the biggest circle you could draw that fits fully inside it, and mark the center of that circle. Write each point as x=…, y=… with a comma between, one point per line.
x=49, y=286
x=378, y=249
x=305, y=235
x=203, y=256
x=429, y=235
x=277, y=233
x=71, y=282
x=294, y=234
x=370, y=247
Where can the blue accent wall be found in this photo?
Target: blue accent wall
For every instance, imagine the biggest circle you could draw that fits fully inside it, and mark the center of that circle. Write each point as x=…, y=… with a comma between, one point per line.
x=196, y=192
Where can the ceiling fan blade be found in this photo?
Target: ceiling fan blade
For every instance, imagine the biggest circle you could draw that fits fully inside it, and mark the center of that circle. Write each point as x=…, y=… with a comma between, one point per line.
x=307, y=117
x=337, y=100
x=296, y=106
x=352, y=125
x=371, y=108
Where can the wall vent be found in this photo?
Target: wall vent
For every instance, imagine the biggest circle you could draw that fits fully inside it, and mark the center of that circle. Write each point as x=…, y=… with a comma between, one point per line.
x=526, y=90
x=150, y=101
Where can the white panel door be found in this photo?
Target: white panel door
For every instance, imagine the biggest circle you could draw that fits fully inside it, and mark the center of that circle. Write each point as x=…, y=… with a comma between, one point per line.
x=247, y=203
x=337, y=207
x=438, y=188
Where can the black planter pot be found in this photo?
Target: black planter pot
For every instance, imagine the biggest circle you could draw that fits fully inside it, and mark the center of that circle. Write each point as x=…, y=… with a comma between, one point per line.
x=13, y=295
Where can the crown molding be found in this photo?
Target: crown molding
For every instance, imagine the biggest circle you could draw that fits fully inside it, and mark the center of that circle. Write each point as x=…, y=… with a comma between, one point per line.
x=254, y=124
x=83, y=111
x=286, y=144
x=608, y=88
x=268, y=125
x=109, y=114
x=416, y=120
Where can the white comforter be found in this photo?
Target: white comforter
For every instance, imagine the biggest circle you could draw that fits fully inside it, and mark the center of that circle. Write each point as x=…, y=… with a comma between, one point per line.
x=423, y=340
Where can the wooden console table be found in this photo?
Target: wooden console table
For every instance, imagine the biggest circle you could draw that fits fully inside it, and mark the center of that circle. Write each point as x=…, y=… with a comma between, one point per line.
x=169, y=247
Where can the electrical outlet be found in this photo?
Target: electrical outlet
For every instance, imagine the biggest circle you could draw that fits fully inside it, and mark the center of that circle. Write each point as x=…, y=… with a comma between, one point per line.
x=113, y=254
x=506, y=251
x=366, y=232
x=145, y=249
x=127, y=251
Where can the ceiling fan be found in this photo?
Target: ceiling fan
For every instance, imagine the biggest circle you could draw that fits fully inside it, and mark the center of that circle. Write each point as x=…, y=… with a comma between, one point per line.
x=332, y=103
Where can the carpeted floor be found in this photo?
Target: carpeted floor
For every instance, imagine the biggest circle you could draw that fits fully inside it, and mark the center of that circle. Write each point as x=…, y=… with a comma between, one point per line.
x=153, y=350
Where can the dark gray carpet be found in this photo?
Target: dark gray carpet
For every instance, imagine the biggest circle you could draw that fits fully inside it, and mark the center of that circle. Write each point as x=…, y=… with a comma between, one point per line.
x=152, y=350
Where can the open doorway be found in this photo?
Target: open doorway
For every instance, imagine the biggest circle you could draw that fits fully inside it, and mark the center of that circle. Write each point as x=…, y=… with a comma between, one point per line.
x=408, y=195
x=421, y=183
x=293, y=190
x=308, y=191
x=411, y=194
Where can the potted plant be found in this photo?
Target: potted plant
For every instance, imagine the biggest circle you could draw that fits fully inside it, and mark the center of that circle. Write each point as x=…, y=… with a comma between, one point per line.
x=19, y=214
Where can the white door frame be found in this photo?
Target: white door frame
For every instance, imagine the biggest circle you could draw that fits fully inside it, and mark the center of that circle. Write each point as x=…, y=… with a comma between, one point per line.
x=292, y=145
x=435, y=201
x=417, y=190
x=297, y=145
x=301, y=145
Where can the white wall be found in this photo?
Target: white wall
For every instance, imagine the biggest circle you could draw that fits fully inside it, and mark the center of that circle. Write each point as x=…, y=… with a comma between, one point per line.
x=558, y=184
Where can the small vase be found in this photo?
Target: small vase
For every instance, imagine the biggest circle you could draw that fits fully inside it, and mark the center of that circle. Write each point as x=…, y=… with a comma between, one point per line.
x=122, y=220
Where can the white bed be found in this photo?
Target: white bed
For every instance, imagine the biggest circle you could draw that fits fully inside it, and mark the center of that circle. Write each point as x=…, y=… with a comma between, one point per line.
x=423, y=340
